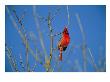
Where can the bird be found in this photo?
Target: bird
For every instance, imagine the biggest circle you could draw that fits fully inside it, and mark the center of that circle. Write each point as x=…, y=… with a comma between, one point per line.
x=63, y=42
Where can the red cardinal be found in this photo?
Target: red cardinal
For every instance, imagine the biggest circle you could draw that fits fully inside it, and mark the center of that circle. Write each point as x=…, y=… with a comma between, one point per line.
x=64, y=41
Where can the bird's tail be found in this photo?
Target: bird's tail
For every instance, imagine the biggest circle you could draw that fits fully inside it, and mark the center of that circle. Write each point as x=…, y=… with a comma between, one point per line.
x=60, y=56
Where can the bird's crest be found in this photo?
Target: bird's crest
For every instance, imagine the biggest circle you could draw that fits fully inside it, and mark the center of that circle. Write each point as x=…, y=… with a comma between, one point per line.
x=65, y=30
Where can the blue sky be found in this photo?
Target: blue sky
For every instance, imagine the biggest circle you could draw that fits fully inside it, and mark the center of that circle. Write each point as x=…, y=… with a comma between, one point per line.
x=93, y=19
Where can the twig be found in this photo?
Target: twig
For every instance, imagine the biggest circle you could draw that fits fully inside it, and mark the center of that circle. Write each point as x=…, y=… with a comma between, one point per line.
x=21, y=62
x=92, y=59
x=51, y=36
x=11, y=59
x=33, y=68
x=57, y=34
x=40, y=34
x=68, y=16
x=21, y=35
x=19, y=19
x=27, y=63
x=84, y=40
x=26, y=42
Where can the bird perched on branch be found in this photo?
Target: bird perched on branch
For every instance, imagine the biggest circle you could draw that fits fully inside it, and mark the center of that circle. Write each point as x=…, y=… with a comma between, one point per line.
x=64, y=41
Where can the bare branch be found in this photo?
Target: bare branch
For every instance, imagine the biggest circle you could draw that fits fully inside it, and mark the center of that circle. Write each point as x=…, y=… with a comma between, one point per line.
x=84, y=41
x=11, y=59
x=21, y=35
x=92, y=59
x=39, y=32
x=21, y=63
x=68, y=16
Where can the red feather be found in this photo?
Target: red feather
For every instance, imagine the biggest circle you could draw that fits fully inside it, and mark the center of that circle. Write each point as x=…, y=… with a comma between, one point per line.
x=64, y=41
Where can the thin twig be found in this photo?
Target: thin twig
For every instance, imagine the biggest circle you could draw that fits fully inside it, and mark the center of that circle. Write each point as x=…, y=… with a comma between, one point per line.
x=11, y=59
x=33, y=68
x=19, y=19
x=21, y=62
x=84, y=41
x=92, y=59
x=40, y=34
x=51, y=36
x=26, y=42
x=27, y=61
x=21, y=35
x=68, y=16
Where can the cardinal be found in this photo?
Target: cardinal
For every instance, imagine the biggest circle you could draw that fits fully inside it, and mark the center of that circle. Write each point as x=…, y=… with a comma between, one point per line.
x=64, y=41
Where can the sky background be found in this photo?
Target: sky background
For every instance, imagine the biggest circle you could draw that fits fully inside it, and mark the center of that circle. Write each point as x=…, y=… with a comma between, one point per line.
x=93, y=19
